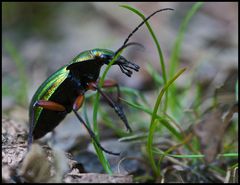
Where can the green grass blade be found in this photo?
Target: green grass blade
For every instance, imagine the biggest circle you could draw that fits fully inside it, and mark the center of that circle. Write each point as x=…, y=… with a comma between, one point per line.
x=100, y=154
x=153, y=124
x=159, y=152
x=135, y=137
x=165, y=123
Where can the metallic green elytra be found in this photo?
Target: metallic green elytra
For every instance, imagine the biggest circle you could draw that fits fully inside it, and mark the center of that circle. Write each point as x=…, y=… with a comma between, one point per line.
x=64, y=90
x=47, y=89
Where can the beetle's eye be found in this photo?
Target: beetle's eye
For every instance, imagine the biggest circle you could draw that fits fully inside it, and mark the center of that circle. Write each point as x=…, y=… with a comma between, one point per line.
x=105, y=57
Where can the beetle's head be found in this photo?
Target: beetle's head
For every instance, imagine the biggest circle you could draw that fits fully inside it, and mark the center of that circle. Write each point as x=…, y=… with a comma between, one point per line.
x=106, y=56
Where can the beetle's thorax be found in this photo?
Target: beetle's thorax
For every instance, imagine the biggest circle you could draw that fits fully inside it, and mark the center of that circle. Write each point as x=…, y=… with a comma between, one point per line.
x=87, y=72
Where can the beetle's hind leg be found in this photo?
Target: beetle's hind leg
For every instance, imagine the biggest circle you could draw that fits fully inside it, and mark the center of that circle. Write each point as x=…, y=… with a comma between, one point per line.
x=77, y=104
x=116, y=106
x=46, y=104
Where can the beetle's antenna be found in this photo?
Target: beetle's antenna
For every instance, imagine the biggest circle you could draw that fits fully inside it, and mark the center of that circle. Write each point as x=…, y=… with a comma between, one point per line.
x=129, y=44
x=130, y=35
x=132, y=43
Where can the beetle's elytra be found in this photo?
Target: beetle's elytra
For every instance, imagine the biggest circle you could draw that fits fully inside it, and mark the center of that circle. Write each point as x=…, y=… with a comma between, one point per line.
x=64, y=90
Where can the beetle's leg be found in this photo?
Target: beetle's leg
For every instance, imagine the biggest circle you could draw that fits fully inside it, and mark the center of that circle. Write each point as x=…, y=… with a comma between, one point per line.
x=107, y=84
x=30, y=138
x=49, y=105
x=77, y=104
x=117, y=107
x=112, y=83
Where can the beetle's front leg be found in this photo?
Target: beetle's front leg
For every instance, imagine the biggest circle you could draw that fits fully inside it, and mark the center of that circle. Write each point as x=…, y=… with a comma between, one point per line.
x=112, y=83
x=45, y=104
x=116, y=106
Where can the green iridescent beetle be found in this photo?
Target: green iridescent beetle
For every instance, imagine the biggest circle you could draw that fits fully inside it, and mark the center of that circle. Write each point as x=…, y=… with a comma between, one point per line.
x=64, y=90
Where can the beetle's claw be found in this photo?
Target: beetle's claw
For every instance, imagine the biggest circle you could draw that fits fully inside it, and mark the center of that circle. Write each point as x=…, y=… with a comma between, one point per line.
x=129, y=129
x=127, y=67
x=133, y=66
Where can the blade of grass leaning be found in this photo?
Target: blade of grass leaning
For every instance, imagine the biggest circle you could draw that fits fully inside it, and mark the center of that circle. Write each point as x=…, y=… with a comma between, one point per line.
x=136, y=137
x=162, y=64
x=165, y=123
x=153, y=124
x=178, y=134
x=159, y=152
x=99, y=152
x=183, y=142
x=174, y=58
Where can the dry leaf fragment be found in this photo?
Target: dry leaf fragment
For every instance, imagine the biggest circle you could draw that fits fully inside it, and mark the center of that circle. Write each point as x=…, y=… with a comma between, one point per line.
x=210, y=130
